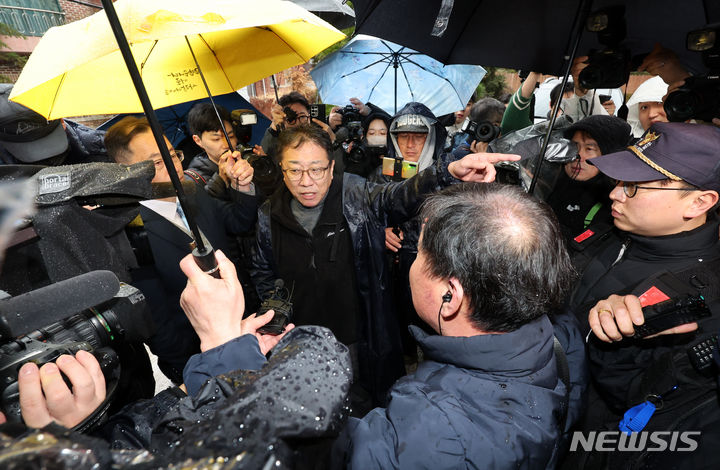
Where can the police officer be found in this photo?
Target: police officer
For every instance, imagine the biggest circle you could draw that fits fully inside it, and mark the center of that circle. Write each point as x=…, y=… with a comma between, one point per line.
x=666, y=247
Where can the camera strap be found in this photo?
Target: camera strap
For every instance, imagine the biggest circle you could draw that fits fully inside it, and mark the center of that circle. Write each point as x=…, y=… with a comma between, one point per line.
x=195, y=176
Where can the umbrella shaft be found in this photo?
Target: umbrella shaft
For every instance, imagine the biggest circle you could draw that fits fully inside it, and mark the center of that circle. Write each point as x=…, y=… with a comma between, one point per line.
x=580, y=19
x=207, y=89
x=152, y=119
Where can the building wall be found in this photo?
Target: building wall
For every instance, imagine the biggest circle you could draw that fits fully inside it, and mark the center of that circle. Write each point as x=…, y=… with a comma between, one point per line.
x=24, y=46
x=76, y=11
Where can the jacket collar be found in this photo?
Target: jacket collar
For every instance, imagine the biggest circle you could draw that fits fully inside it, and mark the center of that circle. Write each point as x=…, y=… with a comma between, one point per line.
x=515, y=354
x=698, y=243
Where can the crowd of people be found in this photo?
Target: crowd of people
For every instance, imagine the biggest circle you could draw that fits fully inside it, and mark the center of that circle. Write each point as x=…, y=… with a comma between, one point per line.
x=462, y=321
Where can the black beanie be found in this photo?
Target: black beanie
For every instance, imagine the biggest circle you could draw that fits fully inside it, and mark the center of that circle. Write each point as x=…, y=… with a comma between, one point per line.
x=610, y=132
x=376, y=114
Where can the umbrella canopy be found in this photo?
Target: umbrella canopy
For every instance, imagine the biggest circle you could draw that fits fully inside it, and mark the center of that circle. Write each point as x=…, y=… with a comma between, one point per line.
x=335, y=12
x=77, y=69
x=389, y=75
x=173, y=119
x=526, y=34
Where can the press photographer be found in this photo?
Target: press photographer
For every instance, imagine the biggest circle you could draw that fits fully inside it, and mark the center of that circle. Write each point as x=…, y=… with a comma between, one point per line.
x=363, y=138
x=291, y=110
x=91, y=312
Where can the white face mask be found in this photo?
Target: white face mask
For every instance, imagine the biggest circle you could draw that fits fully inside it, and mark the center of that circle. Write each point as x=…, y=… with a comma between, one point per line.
x=376, y=140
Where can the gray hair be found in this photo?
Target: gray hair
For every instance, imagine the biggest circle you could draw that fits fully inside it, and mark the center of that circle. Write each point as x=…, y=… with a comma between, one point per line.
x=503, y=246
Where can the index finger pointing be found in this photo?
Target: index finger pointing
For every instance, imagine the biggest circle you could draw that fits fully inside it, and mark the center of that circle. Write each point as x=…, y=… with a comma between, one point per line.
x=503, y=157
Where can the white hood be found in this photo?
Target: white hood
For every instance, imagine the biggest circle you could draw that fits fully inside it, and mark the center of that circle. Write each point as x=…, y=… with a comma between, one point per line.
x=652, y=91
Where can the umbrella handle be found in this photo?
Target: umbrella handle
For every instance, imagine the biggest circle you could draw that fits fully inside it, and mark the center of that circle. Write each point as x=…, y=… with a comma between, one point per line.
x=206, y=260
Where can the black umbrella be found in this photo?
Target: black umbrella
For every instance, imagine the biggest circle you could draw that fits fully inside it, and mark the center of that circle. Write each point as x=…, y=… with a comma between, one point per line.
x=540, y=35
x=526, y=34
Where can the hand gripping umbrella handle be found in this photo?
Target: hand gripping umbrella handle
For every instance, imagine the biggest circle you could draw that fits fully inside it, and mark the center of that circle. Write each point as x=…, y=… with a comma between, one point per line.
x=205, y=259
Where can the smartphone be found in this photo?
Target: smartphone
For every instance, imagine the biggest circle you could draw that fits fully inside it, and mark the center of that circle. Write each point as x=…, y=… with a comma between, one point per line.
x=406, y=169
x=317, y=111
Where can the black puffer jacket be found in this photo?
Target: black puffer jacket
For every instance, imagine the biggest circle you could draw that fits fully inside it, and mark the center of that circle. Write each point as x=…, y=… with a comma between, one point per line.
x=366, y=208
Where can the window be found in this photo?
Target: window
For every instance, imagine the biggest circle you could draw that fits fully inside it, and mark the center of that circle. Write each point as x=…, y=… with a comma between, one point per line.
x=31, y=17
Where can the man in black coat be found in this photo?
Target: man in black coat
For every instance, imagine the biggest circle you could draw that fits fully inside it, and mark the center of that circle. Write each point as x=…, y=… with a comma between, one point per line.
x=161, y=239
x=666, y=248
x=324, y=237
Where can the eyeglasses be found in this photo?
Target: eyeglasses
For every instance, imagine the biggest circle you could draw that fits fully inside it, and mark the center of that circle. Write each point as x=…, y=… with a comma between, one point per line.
x=175, y=154
x=301, y=118
x=406, y=137
x=296, y=174
x=630, y=189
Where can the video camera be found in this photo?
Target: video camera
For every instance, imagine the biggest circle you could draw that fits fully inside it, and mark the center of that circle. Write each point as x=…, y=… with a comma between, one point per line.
x=483, y=131
x=92, y=312
x=609, y=67
x=699, y=97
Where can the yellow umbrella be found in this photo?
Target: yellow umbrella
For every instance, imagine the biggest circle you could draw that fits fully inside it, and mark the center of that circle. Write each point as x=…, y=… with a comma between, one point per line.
x=77, y=69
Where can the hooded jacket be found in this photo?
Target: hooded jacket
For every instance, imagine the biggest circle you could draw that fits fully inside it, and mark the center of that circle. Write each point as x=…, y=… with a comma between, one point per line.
x=436, y=135
x=486, y=401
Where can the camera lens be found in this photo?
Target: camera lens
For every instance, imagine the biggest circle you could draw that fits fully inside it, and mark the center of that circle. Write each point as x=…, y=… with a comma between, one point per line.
x=682, y=105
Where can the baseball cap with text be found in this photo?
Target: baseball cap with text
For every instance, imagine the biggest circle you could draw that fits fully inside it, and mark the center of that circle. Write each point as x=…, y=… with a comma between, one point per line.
x=668, y=150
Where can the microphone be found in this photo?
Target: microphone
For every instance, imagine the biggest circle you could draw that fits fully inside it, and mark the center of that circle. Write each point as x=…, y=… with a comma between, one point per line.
x=36, y=309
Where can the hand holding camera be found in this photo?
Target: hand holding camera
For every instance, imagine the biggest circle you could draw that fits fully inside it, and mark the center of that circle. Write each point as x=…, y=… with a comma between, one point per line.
x=45, y=397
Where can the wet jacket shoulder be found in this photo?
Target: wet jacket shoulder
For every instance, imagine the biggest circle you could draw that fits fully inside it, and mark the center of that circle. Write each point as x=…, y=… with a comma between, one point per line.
x=487, y=401
x=240, y=353
x=255, y=415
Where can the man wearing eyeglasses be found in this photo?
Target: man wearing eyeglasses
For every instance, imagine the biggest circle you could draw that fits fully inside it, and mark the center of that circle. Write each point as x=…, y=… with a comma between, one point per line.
x=324, y=235
x=160, y=238
x=667, y=248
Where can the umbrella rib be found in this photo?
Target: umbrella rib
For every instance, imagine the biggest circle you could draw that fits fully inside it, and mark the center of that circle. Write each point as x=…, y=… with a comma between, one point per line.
x=217, y=61
x=390, y=48
x=372, y=89
x=302, y=59
x=437, y=75
x=142, y=65
x=366, y=67
x=57, y=91
x=412, y=95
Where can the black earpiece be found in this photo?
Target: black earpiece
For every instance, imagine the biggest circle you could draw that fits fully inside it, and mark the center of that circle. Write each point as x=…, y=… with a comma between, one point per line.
x=447, y=297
